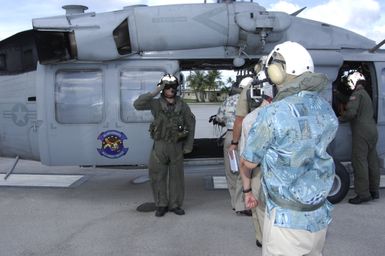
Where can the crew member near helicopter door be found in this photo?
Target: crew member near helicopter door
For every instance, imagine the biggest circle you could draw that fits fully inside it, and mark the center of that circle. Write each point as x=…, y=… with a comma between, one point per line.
x=359, y=112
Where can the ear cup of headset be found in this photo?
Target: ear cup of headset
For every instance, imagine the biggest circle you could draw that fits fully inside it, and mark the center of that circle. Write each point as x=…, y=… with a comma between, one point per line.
x=276, y=73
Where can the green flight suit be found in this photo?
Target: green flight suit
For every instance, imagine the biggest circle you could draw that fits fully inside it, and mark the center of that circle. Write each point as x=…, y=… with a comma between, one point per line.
x=365, y=161
x=173, y=131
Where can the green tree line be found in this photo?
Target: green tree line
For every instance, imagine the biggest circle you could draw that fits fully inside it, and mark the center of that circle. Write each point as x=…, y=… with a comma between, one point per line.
x=205, y=84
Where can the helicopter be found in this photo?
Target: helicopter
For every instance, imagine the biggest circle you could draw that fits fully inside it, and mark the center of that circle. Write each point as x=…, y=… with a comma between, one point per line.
x=67, y=86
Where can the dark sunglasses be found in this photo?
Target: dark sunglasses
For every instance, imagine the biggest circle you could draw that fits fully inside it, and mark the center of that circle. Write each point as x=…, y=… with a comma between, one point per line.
x=173, y=86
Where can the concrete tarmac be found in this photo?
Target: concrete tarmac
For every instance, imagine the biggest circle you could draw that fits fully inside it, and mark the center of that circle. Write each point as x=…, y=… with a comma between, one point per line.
x=99, y=217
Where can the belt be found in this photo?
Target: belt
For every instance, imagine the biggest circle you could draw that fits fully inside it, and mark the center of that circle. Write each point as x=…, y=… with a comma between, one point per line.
x=296, y=206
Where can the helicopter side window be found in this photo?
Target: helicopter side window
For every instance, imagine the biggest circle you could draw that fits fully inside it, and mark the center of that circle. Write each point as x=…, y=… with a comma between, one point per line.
x=133, y=84
x=55, y=46
x=79, y=96
x=122, y=38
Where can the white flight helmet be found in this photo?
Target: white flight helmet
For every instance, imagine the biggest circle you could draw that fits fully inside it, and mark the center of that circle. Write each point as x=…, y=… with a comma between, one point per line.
x=288, y=58
x=245, y=82
x=169, y=81
x=353, y=78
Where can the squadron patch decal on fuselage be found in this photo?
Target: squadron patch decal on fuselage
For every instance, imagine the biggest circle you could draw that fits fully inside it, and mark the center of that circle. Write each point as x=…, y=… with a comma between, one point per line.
x=112, y=144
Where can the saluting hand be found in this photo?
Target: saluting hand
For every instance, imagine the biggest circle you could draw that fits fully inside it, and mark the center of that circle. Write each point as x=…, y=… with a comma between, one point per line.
x=159, y=87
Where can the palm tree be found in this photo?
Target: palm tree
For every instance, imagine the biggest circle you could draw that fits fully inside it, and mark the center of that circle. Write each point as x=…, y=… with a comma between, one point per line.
x=227, y=85
x=202, y=82
x=196, y=81
x=229, y=81
x=213, y=82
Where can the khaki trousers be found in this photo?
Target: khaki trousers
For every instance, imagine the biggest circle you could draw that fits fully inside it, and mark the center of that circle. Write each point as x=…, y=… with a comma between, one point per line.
x=259, y=211
x=234, y=180
x=290, y=242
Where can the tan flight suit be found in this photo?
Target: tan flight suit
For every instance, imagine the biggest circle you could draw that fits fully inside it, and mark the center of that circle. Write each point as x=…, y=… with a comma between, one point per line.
x=365, y=161
x=244, y=107
x=173, y=131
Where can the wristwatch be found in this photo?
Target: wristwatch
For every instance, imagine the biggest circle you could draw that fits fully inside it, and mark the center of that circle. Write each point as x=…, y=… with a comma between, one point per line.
x=234, y=143
x=246, y=190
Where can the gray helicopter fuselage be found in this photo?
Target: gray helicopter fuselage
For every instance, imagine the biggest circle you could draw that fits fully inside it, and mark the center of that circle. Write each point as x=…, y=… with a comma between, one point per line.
x=74, y=106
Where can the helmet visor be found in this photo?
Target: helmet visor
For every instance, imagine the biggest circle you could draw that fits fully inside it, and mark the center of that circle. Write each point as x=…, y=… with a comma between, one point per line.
x=173, y=86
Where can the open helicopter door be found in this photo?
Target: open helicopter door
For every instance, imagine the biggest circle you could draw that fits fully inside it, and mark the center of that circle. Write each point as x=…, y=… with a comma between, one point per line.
x=86, y=111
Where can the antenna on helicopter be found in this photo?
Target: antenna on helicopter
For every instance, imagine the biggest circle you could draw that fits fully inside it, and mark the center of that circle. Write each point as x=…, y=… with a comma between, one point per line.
x=375, y=48
x=298, y=12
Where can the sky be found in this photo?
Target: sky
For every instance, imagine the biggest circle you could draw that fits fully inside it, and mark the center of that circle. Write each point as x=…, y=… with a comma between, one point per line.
x=363, y=17
x=366, y=18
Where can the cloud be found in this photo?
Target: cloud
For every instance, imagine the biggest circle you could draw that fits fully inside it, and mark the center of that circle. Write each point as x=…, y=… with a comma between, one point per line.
x=363, y=18
x=284, y=6
x=350, y=13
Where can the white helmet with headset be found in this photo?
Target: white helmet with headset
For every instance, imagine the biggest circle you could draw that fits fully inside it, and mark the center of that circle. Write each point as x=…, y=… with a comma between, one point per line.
x=288, y=58
x=353, y=78
x=245, y=82
x=169, y=81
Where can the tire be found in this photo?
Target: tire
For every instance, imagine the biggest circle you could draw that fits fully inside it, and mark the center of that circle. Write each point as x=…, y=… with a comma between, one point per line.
x=341, y=184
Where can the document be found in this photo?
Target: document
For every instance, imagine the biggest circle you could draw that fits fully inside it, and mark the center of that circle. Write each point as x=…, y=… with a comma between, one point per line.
x=233, y=161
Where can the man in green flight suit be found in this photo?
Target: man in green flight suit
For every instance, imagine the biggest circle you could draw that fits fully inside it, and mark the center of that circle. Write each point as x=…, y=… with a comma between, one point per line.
x=359, y=111
x=173, y=131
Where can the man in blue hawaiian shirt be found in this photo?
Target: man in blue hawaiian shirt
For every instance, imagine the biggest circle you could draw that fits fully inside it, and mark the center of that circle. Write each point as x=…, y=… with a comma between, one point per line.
x=289, y=140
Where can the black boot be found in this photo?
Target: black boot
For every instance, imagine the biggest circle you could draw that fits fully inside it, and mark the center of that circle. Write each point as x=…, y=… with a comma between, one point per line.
x=160, y=211
x=375, y=194
x=244, y=213
x=259, y=244
x=177, y=211
x=359, y=200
